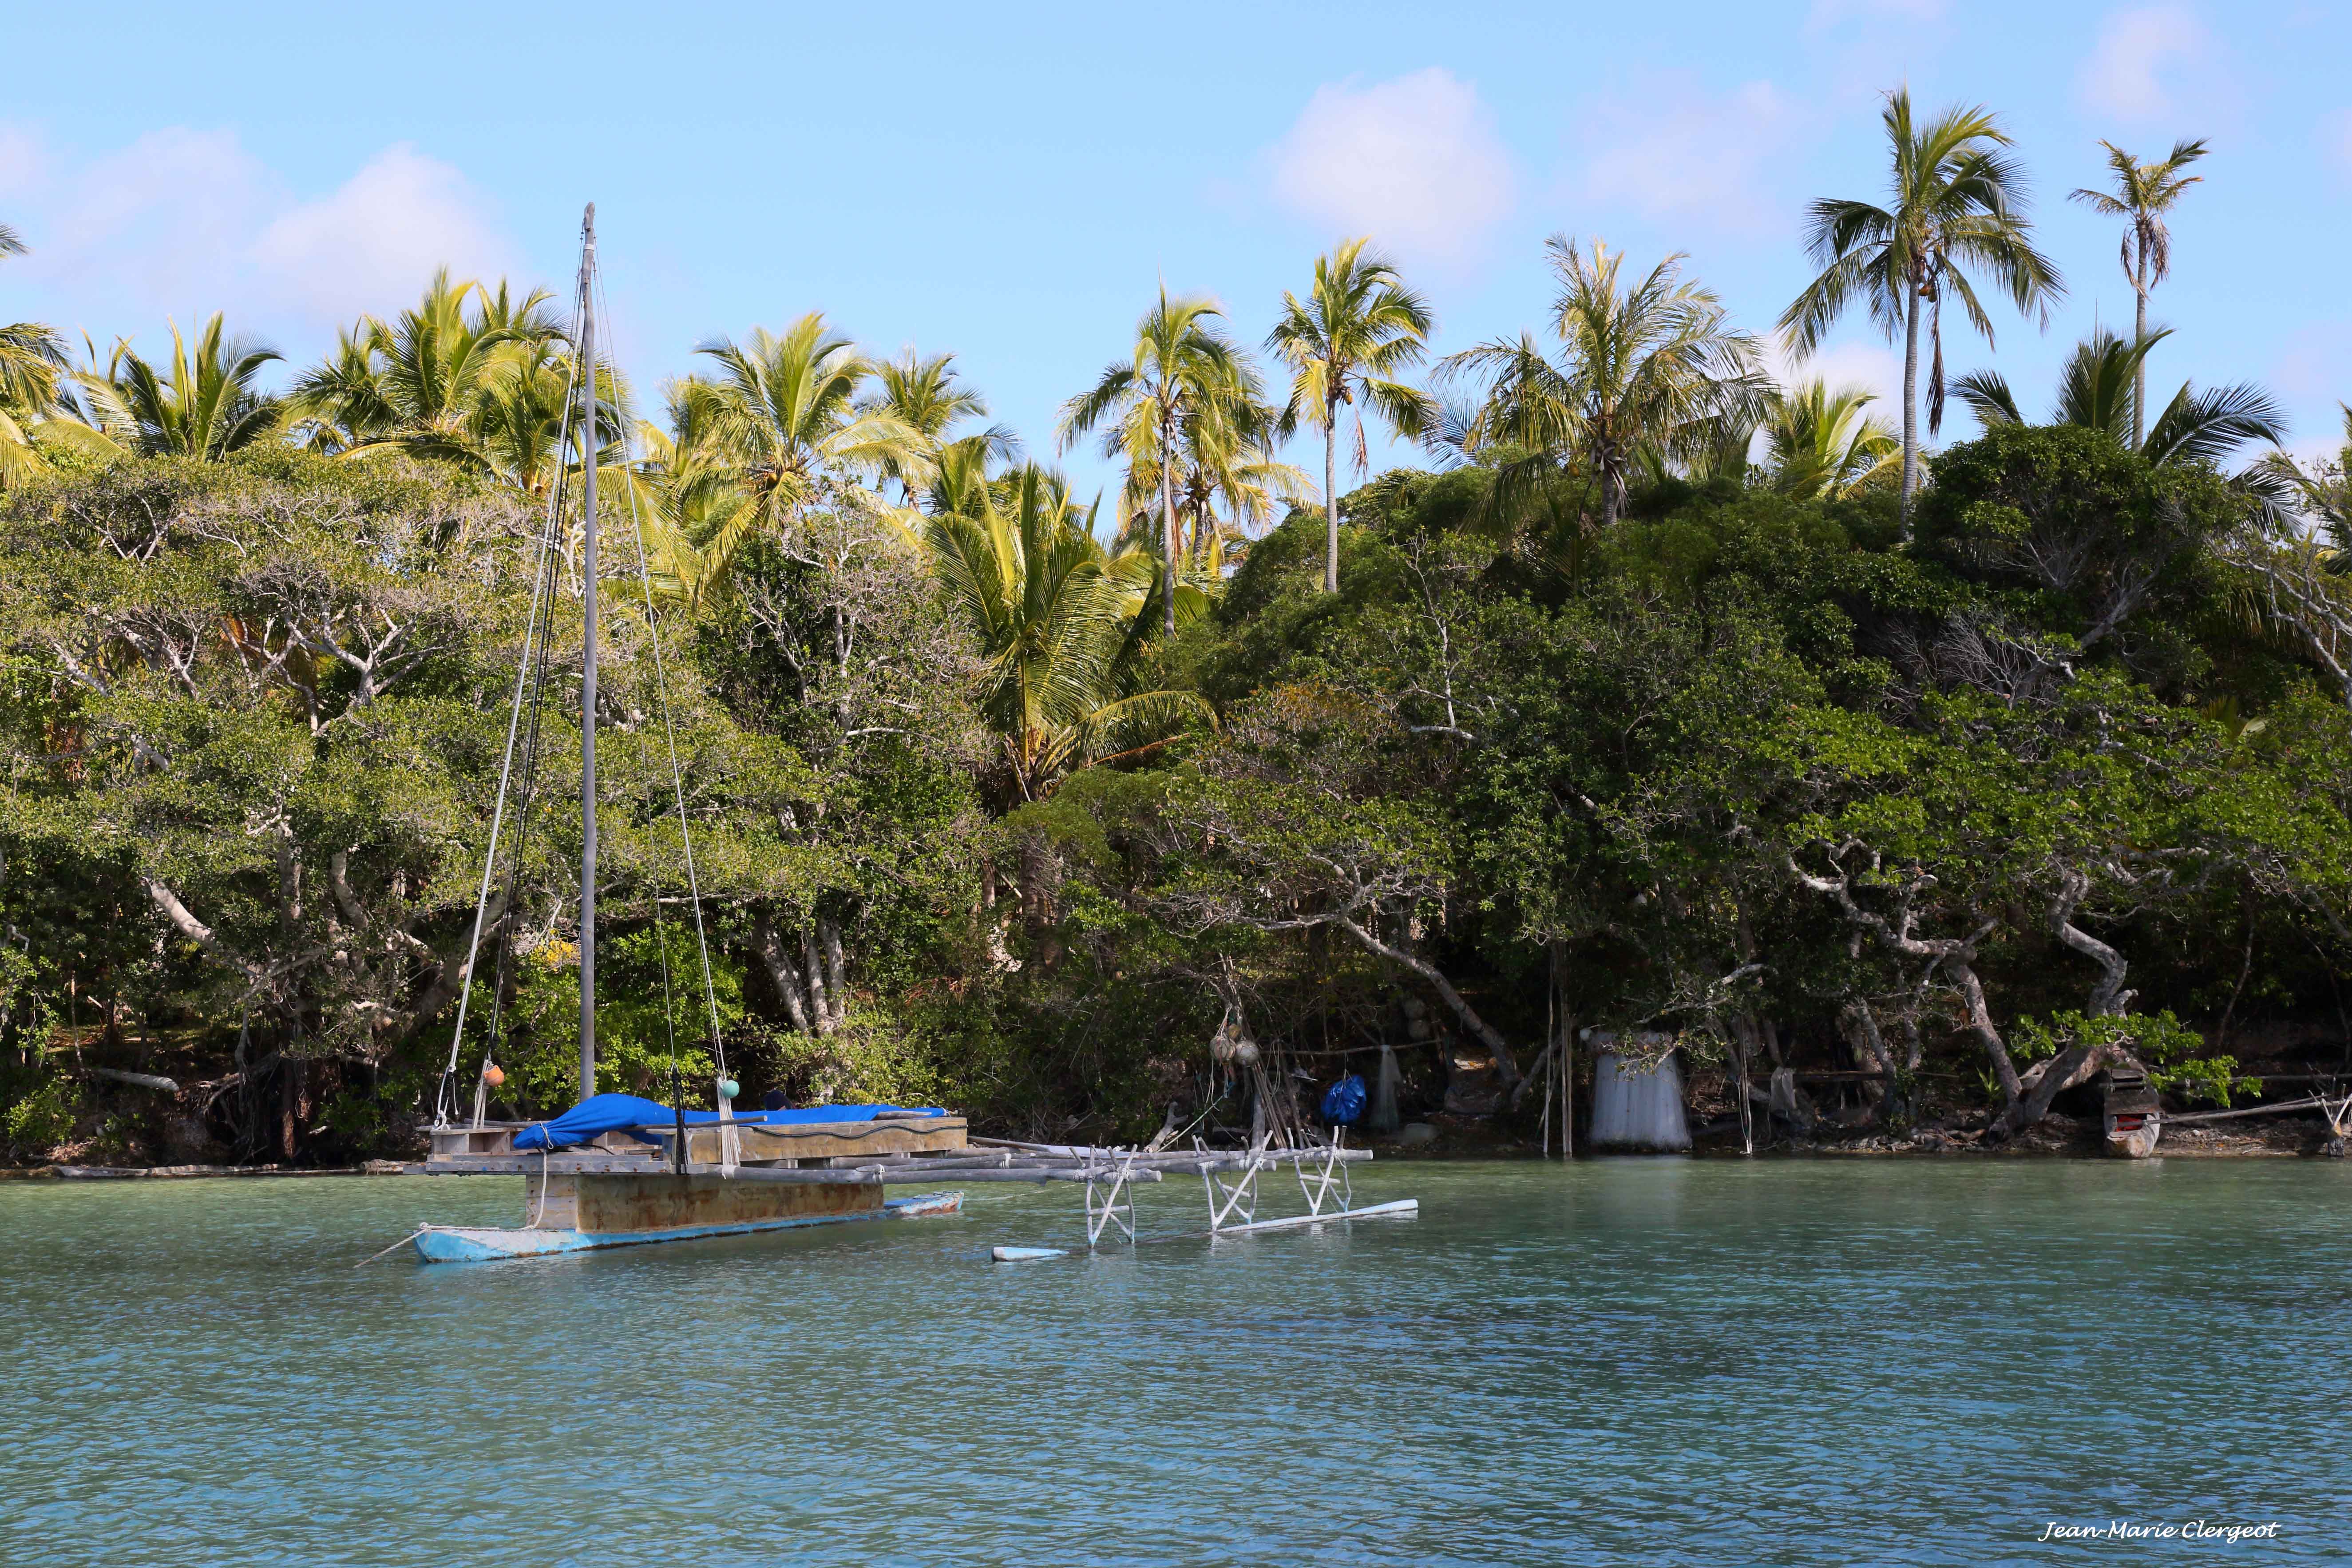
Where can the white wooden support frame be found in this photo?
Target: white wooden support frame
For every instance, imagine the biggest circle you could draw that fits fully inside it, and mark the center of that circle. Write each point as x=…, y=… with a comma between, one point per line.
x=1333, y=1172
x=1228, y=1199
x=1108, y=1210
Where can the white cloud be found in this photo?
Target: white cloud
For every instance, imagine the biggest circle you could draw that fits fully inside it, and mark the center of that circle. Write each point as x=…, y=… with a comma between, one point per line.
x=1415, y=162
x=376, y=239
x=2137, y=51
x=184, y=222
x=1670, y=149
x=161, y=224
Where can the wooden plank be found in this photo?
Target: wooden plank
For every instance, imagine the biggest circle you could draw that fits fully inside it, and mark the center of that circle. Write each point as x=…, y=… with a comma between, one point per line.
x=827, y=1140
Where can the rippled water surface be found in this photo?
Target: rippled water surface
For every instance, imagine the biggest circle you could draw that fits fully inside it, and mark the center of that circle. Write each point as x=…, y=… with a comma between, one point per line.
x=1630, y=1361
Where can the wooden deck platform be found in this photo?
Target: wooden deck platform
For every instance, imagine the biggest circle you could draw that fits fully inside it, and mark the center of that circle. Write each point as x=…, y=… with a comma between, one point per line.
x=756, y=1144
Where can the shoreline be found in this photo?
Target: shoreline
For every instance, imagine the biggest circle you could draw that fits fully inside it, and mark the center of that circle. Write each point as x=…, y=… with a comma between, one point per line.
x=2056, y=1138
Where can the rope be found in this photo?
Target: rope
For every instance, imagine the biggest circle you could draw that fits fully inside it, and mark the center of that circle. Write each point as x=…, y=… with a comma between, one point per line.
x=395, y=1247
x=533, y=675
x=543, y=594
x=676, y=775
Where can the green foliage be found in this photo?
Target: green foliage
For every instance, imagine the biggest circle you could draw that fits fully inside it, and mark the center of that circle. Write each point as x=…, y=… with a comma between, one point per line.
x=44, y=1118
x=1604, y=723
x=2174, y=1053
x=645, y=1018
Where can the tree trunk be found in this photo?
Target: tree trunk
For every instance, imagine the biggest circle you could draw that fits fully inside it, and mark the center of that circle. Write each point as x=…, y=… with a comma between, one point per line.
x=780, y=973
x=2108, y=997
x=1497, y=1047
x=1972, y=998
x=836, y=970
x=1331, y=497
x=289, y=1105
x=293, y=1085
x=1861, y=1026
x=820, y=995
x=1168, y=509
x=1910, y=409
x=2139, y=369
x=2054, y=1077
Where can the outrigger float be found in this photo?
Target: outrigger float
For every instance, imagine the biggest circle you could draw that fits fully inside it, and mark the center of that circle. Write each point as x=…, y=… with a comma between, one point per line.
x=621, y=1171
x=784, y=1170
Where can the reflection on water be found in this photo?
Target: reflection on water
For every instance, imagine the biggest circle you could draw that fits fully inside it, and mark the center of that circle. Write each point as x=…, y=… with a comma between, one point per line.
x=1630, y=1361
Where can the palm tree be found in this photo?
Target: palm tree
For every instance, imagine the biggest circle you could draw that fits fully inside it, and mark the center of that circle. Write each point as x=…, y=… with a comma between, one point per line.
x=1819, y=443
x=515, y=419
x=32, y=359
x=418, y=383
x=1356, y=328
x=2322, y=493
x=1182, y=367
x=1062, y=625
x=925, y=396
x=1228, y=481
x=2097, y=390
x=1957, y=202
x=1649, y=371
x=780, y=422
x=2143, y=193
x=205, y=403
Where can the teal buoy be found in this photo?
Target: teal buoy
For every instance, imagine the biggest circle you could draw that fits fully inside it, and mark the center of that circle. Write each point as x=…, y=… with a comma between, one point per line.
x=729, y=1089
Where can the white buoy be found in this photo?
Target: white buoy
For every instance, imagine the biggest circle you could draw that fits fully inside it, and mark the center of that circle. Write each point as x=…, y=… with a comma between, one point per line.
x=1026, y=1254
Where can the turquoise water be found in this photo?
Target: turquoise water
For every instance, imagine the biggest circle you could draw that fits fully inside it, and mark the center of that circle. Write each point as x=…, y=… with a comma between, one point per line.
x=1882, y=1362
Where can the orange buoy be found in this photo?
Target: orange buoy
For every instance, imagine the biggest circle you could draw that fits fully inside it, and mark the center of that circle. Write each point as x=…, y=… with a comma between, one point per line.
x=493, y=1074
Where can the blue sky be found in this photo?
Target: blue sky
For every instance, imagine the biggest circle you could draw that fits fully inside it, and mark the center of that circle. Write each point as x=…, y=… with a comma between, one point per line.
x=1011, y=186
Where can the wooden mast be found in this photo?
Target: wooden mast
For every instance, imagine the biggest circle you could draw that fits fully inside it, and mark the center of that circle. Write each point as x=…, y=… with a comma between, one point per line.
x=587, y=435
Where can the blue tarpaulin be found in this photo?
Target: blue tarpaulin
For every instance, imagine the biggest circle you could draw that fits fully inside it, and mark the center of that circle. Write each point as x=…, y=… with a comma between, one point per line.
x=1344, y=1102
x=603, y=1113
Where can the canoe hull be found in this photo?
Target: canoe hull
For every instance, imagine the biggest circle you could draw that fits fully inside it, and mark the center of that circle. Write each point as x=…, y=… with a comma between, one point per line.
x=469, y=1243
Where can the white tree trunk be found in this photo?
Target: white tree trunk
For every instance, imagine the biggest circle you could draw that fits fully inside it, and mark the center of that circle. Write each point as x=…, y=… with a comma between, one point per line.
x=1910, y=410
x=1168, y=509
x=1330, y=498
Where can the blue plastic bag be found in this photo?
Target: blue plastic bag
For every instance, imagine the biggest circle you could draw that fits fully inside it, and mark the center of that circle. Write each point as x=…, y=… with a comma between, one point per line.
x=1343, y=1103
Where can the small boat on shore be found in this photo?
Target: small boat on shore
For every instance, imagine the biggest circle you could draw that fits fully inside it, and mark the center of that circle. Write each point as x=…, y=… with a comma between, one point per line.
x=2130, y=1112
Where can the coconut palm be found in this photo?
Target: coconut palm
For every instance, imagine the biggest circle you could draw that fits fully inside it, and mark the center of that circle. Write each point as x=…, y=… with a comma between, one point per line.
x=1356, y=328
x=2323, y=494
x=1228, y=481
x=1957, y=203
x=1062, y=625
x=513, y=430
x=1819, y=443
x=925, y=396
x=781, y=423
x=2097, y=390
x=416, y=384
x=204, y=403
x=32, y=361
x=2144, y=193
x=1648, y=372
x=1182, y=367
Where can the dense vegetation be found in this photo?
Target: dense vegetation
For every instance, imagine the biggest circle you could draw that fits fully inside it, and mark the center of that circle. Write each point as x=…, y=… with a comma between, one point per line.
x=1665, y=700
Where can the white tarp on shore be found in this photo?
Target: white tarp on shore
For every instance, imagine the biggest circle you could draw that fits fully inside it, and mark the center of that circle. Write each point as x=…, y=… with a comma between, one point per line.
x=1636, y=1109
